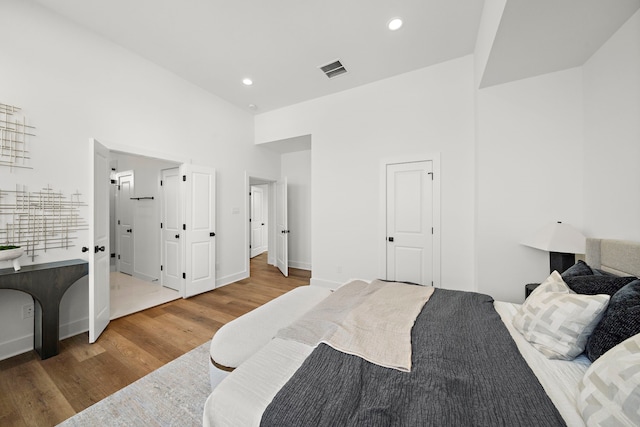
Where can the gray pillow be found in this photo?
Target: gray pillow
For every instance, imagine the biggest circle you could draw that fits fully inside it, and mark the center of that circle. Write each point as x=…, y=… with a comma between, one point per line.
x=595, y=284
x=620, y=321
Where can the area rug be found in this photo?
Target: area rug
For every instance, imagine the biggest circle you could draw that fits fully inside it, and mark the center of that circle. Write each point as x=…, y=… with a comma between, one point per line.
x=172, y=395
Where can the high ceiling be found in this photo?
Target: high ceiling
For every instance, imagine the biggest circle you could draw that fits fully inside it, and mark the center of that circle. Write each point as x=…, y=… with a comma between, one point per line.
x=280, y=44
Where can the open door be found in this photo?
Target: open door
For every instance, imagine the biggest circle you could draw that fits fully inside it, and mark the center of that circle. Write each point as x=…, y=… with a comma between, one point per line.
x=282, y=230
x=99, y=306
x=199, y=192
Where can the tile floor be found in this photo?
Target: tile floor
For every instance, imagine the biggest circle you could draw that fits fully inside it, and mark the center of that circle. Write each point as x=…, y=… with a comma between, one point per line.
x=130, y=295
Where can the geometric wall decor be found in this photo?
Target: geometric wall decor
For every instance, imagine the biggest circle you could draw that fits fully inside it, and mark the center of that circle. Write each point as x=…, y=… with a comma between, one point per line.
x=13, y=138
x=39, y=220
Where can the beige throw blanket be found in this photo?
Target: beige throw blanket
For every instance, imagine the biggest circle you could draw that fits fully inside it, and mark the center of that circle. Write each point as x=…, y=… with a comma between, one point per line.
x=369, y=320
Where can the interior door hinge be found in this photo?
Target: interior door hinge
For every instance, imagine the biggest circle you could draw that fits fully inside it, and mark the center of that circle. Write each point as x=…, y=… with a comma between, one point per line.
x=431, y=173
x=118, y=256
x=118, y=222
x=118, y=186
x=184, y=226
x=184, y=177
x=160, y=183
x=184, y=275
x=160, y=268
x=431, y=230
x=160, y=225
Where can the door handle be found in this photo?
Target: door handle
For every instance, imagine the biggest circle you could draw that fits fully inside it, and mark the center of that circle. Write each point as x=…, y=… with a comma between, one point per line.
x=98, y=249
x=177, y=236
x=85, y=249
x=391, y=239
x=129, y=230
x=212, y=234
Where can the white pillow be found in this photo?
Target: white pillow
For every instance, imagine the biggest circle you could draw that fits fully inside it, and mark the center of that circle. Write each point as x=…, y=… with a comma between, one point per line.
x=609, y=393
x=556, y=320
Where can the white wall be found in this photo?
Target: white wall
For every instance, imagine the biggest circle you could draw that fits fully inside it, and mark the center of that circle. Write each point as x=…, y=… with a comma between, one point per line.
x=529, y=173
x=612, y=136
x=74, y=86
x=415, y=114
x=296, y=167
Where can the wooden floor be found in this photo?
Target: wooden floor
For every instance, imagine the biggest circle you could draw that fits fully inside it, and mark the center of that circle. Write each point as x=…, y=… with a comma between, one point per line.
x=36, y=392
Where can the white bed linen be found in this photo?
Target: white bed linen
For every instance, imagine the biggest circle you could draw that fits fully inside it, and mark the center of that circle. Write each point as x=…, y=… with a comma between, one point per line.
x=559, y=378
x=241, y=398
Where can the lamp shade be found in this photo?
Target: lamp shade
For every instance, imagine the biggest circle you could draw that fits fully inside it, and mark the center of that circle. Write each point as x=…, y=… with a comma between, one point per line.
x=557, y=237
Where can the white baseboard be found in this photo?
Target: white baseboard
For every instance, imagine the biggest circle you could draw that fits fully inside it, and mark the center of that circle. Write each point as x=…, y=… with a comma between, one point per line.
x=227, y=280
x=25, y=344
x=300, y=265
x=15, y=347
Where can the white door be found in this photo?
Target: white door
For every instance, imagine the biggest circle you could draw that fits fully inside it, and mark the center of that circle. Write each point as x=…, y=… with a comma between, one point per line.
x=124, y=222
x=99, y=307
x=199, y=190
x=410, y=222
x=171, y=229
x=258, y=221
x=282, y=230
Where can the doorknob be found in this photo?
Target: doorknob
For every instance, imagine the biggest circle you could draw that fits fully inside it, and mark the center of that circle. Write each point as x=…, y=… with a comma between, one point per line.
x=391, y=239
x=99, y=249
x=85, y=249
x=177, y=236
x=129, y=230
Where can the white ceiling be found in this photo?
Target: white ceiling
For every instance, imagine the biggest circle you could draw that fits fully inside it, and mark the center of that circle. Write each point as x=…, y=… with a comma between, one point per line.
x=543, y=36
x=281, y=43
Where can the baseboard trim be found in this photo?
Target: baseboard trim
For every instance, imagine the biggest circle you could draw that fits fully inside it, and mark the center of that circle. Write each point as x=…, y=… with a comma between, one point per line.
x=227, y=280
x=24, y=344
x=300, y=265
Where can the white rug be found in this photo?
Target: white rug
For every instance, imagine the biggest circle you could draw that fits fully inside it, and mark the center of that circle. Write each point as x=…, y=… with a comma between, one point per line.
x=173, y=395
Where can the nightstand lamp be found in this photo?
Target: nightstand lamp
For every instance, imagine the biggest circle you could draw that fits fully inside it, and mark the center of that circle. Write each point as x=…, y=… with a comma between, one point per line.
x=562, y=241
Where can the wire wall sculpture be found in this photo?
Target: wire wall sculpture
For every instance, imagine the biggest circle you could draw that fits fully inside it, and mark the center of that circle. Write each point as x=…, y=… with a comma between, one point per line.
x=13, y=138
x=39, y=220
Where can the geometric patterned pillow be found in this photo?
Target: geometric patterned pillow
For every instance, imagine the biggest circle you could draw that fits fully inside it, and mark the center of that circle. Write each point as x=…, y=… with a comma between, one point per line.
x=609, y=393
x=556, y=320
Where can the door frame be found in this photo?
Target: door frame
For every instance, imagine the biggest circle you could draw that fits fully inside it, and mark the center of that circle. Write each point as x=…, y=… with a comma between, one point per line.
x=251, y=179
x=136, y=151
x=382, y=209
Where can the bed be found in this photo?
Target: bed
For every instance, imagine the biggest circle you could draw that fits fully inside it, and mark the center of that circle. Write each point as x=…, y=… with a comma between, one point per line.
x=472, y=360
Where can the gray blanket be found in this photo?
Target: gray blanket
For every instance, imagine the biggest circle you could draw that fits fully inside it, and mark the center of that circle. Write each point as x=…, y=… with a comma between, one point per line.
x=466, y=371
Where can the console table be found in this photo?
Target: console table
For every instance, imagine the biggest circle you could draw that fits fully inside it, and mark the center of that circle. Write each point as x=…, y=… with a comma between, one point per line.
x=46, y=283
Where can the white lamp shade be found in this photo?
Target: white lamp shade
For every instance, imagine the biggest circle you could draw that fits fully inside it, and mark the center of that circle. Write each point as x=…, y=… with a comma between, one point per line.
x=557, y=237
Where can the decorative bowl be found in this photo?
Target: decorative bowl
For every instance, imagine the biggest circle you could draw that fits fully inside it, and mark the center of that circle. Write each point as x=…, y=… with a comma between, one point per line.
x=12, y=255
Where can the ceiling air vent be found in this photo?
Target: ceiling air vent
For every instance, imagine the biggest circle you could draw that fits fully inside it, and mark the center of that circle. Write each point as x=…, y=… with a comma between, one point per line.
x=333, y=69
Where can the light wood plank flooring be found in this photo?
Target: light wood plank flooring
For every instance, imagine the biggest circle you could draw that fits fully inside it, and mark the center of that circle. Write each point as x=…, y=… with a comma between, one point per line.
x=36, y=392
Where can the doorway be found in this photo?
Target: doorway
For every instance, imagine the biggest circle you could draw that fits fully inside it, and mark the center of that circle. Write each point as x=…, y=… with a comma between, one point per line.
x=135, y=280
x=259, y=219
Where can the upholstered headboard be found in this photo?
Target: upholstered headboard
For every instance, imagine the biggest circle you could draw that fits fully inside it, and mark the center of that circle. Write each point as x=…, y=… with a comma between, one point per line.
x=620, y=257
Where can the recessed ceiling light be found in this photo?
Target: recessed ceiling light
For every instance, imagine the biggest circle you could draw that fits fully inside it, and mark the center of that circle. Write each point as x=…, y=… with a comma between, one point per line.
x=395, y=24
x=253, y=107
x=247, y=82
